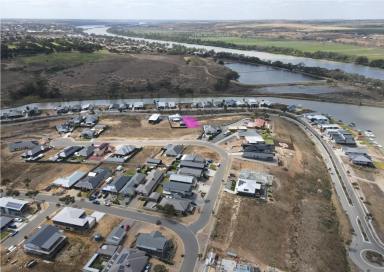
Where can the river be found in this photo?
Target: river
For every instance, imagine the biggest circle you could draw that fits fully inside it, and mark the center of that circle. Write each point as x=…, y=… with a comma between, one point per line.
x=366, y=71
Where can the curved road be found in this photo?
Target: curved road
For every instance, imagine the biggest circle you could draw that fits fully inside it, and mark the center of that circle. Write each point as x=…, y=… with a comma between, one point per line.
x=365, y=238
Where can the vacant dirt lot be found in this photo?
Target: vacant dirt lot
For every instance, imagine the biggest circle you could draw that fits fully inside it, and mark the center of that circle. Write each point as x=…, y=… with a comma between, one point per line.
x=136, y=127
x=300, y=223
x=375, y=204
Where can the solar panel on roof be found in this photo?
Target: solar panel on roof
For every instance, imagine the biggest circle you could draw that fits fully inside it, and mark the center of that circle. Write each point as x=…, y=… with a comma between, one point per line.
x=14, y=205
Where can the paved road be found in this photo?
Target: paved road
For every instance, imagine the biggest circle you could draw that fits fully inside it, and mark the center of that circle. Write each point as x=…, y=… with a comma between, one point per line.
x=355, y=210
x=365, y=237
x=32, y=224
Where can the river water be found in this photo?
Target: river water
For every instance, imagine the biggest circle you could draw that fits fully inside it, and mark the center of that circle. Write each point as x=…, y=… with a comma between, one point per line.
x=347, y=67
x=261, y=74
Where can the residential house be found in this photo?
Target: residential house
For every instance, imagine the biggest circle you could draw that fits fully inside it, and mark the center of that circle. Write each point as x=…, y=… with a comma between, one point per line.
x=175, y=117
x=154, y=118
x=69, y=151
x=161, y=105
x=172, y=105
x=125, y=150
x=211, y=131
x=102, y=149
x=91, y=120
x=13, y=206
x=361, y=160
x=76, y=108
x=93, y=179
x=87, y=133
x=192, y=158
x=198, y=173
x=155, y=244
x=46, y=242
x=154, y=196
x=172, y=150
x=138, y=105
x=86, y=152
x=73, y=219
x=153, y=162
x=64, y=128
x=34, y=153
x=117, y=184
x=177, y=188
x=69, y=181
x=259, y=156
x=317, y=118
x=191, y=164
x=153, y=179
x=117, y=235
x=182, y=206
x=183, y=179
x=127, y=260
x=259, y=147
x=22, y=145
x=130, y=187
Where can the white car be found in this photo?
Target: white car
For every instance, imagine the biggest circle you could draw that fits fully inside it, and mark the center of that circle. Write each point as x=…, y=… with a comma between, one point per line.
x=18, y=219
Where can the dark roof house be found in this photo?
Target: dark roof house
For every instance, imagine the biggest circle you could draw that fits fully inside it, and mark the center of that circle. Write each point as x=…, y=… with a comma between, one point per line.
x=46, y=242
x=94, y=179
x=155, y=244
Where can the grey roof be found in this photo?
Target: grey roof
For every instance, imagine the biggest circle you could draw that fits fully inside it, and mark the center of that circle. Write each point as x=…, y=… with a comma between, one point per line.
x=153, y=178
x=191, y=164
x=87, y=151
x=91, y=119
x=193, y=158
x=88, y=133
x=258, y=155
x=45, y=239
x=69, y=151
x=182, y=178
x=92, y=182
x=34, y=151
x=20, y=145
x=128, y=260
x=360, y=159
x=117, y=184
x=180, y=205
x=130, y=186
x=259, y=147
x=173, y=150
x=151, y=241
x=211, y=130
x=190, y=171
x=153, y=161
x=125, y=150
x=70, y=180
x=177, y=187
x=107, y=250
x=117, y=235
x=355, y=150
x=155, y=196
x=5, y=221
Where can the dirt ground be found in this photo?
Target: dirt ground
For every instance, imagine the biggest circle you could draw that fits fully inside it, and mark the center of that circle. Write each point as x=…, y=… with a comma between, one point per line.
x=203, y=151
x=76, y=253
x=375, y=204
x=300, y=223
x=39, y=174
x=117, y=76
x=136, y=127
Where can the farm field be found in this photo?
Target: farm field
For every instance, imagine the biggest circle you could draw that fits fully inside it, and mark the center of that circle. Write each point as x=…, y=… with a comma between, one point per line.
x=307, y=46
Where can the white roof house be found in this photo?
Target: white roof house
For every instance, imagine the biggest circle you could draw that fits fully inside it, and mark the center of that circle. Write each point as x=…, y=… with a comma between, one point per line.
x=254, y=139
x=70, y=180
x=11, y=203
x=154, y=117
x=247, y=186
x=74, y=217
x=175, y=117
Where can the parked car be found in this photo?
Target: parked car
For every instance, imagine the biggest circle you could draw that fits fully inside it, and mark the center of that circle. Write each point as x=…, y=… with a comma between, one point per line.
x=14, y=233
x=18, y=219
x=30, y=264
x=96, y=202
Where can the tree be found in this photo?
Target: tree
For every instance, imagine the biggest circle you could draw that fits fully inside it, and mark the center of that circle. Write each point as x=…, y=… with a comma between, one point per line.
x=160, y=268
x=362, y=60
x=169, y=210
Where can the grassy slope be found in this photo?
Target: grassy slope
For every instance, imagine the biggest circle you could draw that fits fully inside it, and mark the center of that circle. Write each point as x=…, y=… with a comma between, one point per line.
x=306, y=46
x=63, y=58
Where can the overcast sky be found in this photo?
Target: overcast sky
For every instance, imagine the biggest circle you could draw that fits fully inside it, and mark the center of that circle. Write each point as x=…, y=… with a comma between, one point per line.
x=193, y=9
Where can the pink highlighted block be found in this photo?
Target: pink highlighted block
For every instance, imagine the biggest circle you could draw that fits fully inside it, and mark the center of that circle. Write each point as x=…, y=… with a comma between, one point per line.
x=191, y=122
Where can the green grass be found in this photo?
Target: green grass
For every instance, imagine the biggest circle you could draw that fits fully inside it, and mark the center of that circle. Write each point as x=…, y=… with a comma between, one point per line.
x=305, y=46
x=4, y=234
x=379, y=165
x=267, y=137
x=64, y=58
